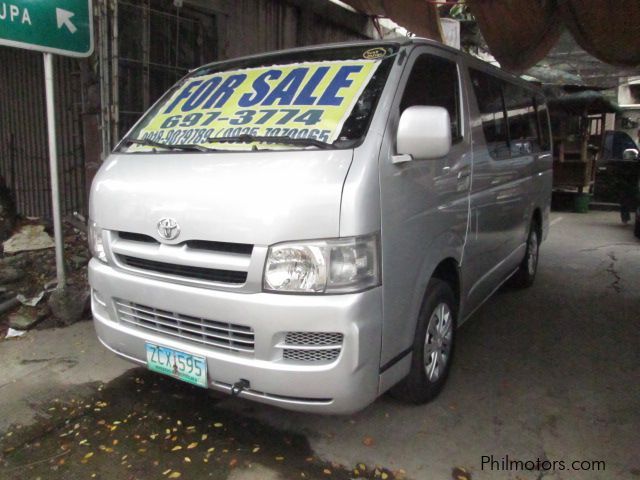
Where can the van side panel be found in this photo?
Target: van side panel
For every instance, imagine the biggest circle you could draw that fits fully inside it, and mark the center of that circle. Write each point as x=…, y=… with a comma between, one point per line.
x=424, y=215
x=509, y=183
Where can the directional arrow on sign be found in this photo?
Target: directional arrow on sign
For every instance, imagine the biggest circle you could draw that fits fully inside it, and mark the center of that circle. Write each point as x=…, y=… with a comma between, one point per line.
x=64, y=18
x=62, y=27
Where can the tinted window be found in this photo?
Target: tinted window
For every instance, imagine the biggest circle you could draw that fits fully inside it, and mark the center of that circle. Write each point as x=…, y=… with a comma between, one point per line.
x=543, y=123
x=434, y=82
x=488, y=90
x=523, y=121
x=621, y=141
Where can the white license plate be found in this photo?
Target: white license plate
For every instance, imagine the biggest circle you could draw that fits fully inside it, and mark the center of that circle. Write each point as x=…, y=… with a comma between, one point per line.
x=183, y=366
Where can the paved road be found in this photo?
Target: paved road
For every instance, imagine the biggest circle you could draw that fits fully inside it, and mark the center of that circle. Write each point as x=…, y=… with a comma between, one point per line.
x=548, y=373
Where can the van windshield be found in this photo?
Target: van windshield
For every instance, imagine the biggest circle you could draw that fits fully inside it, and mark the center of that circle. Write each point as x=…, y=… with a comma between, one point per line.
x=296, y=100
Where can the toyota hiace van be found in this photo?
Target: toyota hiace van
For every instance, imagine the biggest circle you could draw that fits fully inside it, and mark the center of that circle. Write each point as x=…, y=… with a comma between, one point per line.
x=307, y=228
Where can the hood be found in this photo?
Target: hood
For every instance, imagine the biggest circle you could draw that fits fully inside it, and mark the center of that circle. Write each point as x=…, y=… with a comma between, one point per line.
x=258, y=198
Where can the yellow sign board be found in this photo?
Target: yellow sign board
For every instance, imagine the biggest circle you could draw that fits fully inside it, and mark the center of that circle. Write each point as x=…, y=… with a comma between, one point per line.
x=301, y=100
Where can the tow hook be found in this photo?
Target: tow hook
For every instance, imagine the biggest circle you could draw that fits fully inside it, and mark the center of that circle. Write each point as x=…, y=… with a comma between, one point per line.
x=238, y=387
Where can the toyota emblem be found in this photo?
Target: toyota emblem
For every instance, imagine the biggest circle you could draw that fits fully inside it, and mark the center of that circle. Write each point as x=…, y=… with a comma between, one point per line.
x=168, y=229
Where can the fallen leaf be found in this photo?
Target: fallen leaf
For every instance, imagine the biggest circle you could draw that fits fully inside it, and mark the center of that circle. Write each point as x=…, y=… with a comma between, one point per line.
x=192, y=445
x=204, y=437
x=459, y=473
x=256, y=450
x=233, y=462
x=368, y=441
x=187, y=459
x=175, y=475
x=88, y=456
x=279, y=459
x=217, y=425
x=326, y=471
x=176, y=448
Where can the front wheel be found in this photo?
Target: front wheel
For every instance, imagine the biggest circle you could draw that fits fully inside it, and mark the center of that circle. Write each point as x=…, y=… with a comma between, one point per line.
x=526, y=273
x=432, y=351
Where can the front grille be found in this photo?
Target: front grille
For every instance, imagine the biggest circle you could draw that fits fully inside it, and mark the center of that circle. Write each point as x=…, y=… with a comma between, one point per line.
x=219, y=247
x=312, y=346
x=225, y=336
x=313, y=338
x=186, y=271
x=226, y=247
x=311, y=355
x=137, y=237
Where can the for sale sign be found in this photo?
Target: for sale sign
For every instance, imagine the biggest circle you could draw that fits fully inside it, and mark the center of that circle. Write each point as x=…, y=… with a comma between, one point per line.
x=301, y=100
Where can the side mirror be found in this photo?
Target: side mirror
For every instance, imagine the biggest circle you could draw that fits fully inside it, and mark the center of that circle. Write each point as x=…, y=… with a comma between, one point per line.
x=424, y=133
x=630, y=154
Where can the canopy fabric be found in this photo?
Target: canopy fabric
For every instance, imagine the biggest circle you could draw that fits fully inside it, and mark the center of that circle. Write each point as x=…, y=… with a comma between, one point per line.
x=520, y=33
x=583, y=103
x=607, y=29
x=417, y=16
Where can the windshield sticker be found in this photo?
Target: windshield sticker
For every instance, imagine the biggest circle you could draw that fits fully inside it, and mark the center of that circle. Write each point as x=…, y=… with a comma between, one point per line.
x=302, y=100
x=372, y=53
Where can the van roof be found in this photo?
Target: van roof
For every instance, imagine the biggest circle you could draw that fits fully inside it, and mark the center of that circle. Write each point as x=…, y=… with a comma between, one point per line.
x=397, y=42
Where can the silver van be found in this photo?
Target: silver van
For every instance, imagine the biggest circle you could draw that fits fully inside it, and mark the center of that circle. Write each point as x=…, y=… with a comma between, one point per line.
x=307, y=228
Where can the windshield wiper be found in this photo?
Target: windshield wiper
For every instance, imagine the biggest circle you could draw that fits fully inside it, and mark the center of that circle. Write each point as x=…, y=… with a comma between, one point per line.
x=283, y=139
x=169, y=146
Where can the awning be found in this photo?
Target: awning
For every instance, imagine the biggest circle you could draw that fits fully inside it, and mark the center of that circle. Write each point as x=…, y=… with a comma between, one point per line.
x=587, y=102
x=520, y=33
x=417, y=16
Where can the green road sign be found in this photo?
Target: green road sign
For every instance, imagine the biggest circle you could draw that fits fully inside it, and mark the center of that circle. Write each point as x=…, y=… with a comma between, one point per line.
x=64, y=27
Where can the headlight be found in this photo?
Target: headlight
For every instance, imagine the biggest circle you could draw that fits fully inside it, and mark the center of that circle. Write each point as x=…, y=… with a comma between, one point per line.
x=96, y=244
x=339, y=265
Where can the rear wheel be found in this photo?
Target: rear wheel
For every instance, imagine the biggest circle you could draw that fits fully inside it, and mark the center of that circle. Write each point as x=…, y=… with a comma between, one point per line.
x=526, y=273
x=433, y=346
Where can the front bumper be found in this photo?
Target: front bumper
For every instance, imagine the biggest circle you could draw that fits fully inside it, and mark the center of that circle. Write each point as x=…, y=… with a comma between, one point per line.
x=344, y=385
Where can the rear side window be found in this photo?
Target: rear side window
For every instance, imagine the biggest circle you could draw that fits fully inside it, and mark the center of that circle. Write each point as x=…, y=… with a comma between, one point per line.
x=543, y=122
x=526, y=128
x=488, y=90
x=434, y=82
x=523, y=121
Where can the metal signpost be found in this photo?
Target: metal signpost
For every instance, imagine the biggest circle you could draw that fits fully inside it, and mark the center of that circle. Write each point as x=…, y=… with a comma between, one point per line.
x=63, y=27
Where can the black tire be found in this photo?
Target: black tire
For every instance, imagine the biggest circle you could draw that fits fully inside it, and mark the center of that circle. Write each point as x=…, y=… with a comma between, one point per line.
x=526, y=273
x=422, y=385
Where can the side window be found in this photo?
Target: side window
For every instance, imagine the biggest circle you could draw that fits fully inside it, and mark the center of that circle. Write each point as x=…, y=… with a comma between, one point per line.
x=621, y=141
x=434, y=82
x=488, y=90
x=543, y=123
x=523, y=122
